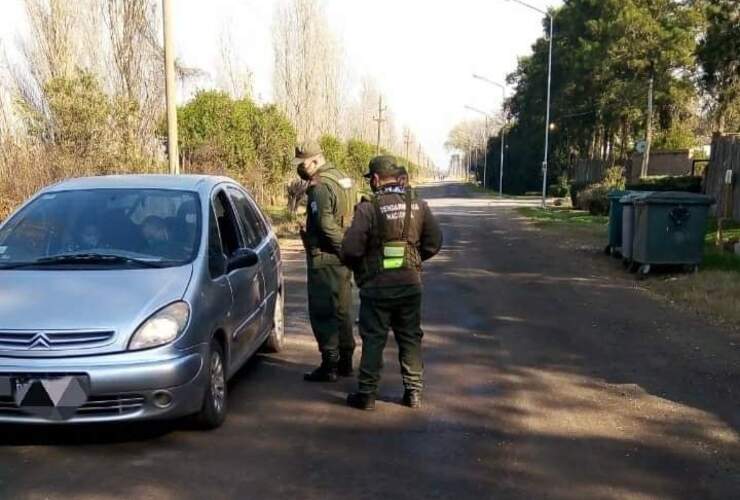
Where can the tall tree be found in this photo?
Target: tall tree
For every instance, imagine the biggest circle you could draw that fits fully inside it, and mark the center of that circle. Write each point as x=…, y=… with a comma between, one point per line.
x=308, y=72
x=719, y=55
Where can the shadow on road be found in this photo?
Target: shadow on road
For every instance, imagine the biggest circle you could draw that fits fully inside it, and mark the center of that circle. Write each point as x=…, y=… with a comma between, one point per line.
x=545, y=379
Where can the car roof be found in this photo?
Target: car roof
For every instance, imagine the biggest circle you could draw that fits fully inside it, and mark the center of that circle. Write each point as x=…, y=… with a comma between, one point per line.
x=141, y=181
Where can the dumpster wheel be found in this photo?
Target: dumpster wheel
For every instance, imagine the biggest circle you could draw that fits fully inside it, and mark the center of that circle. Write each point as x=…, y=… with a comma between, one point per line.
x=643, y=271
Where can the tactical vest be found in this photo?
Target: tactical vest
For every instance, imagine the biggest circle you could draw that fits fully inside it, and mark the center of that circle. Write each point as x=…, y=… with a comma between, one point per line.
x=344, y=191
x=393, y=244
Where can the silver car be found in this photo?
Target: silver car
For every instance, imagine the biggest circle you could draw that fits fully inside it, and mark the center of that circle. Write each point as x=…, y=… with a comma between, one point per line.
x=134, y=297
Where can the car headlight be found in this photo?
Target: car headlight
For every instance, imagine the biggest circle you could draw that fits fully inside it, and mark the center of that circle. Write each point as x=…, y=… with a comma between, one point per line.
x=162, y=327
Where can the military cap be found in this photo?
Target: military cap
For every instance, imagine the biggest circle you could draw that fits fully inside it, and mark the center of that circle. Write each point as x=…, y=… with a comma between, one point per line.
x=306, y=151
x=384, y=166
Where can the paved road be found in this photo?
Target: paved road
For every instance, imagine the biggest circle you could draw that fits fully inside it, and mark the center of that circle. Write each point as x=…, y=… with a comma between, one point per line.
x=546, y=379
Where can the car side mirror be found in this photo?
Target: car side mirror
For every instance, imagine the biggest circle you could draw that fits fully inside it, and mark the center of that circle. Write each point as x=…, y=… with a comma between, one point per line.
x=244, y=257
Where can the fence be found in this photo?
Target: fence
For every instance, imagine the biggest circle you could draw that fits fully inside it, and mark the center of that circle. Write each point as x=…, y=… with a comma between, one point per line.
x=588, y=171
x=725, y=156
x=677, y=162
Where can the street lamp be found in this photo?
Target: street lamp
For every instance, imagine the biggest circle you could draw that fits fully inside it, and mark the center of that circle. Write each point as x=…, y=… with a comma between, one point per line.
x=549, y=80
x=485, y=150
x=503, y=131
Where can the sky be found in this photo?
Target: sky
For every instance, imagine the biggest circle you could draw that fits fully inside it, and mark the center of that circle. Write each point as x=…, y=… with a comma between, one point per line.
x=422, y=53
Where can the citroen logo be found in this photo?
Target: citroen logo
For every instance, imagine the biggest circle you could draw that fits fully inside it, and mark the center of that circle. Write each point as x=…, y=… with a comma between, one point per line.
x=40, y=341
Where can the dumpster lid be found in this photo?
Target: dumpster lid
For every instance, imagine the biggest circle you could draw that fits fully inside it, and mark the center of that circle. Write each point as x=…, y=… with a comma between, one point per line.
x=675, y=198
x=632, y=196
x=616, y=195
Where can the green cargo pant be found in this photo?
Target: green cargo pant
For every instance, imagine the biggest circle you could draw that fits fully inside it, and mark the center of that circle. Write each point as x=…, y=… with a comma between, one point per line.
x=330, y=310
x=377, y=316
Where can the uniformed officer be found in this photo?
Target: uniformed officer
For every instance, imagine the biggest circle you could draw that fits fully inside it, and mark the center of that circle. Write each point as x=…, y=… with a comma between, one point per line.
x=390, y=236
x=329, y=212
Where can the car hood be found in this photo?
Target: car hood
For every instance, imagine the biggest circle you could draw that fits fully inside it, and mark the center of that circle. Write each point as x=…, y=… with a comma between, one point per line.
x=114, y=301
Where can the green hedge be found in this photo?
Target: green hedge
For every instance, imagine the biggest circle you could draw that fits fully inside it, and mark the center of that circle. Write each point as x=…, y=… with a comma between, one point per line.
x=575, y=190
x=688, y=183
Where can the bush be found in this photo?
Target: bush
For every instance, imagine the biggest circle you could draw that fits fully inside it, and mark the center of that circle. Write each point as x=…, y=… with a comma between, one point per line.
x=575, y=190
x=688, y=183
x=614, y=178
x=595, y=199
x=561, y=189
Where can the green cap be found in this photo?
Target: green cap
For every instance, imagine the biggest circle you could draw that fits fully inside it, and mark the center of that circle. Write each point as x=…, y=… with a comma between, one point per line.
x=305, y=151
x=384, y=166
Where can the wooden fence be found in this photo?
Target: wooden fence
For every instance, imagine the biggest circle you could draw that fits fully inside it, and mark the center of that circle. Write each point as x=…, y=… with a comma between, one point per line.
x=725, y=156
x=588, y=171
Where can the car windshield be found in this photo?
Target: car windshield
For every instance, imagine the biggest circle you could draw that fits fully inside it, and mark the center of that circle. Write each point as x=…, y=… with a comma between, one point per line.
x=111, y=227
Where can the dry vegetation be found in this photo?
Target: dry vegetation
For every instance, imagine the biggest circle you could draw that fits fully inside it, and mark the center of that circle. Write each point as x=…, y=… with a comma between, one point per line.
x=713, y=293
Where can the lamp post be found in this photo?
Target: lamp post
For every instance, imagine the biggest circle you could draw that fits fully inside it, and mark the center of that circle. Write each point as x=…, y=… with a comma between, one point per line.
x=485, y=147
x=549, y=81
x=170, y=89
x=503, y=131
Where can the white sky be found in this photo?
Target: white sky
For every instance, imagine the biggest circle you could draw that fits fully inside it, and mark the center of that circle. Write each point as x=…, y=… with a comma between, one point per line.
x=421, y=53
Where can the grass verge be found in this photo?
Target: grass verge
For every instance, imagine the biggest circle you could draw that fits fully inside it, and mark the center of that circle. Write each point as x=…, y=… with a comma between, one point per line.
x=285, y=224
x=714, y=292
x=562, y=215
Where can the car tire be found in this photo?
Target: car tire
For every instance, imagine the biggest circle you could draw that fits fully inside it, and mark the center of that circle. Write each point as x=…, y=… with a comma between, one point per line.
x=213, y=412
x=276, y=340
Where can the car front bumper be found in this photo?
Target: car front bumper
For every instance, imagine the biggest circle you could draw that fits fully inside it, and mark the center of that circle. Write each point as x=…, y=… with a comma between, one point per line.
x=123, y=386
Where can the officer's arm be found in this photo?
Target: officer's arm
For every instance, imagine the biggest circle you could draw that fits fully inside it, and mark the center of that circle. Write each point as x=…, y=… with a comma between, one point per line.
x=355, y=239
x=326, y=223
x=431, y=235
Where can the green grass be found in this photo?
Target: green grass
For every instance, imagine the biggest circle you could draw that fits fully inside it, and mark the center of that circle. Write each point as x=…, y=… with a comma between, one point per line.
x=714, y=258
x=563, y=216
x=286, y=226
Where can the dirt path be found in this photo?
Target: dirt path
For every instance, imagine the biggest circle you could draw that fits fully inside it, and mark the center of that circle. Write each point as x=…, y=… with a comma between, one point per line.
x=546, y=378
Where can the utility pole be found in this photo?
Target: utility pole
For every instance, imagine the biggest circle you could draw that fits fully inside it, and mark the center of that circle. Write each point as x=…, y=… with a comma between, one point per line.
x=502, y=132
x=485, y=157
x=549, y=81
x=407, y=141
x=547, y=115
x=470, y=160
x=380, y=121
x=170, y=88
x=644, y=170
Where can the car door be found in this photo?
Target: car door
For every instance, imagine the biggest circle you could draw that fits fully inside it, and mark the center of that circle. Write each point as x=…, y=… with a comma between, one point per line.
x=246, y=283
x=256, y=237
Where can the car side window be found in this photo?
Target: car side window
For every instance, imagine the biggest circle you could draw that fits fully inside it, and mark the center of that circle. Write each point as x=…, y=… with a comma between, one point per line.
x=216, y=258
x=226, y=224
x=251, y=221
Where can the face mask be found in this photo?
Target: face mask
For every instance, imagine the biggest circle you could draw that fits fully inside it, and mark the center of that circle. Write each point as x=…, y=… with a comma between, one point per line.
x=307, y=170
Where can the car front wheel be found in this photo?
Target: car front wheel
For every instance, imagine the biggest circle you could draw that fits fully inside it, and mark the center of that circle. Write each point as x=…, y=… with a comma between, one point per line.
x=213, y=411
x=276, y=341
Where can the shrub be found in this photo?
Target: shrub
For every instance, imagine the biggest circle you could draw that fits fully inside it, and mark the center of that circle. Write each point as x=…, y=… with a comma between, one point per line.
x=688, y=183
x=561, y=189
x=614, y=178
x=595, y=199
x=575, y=190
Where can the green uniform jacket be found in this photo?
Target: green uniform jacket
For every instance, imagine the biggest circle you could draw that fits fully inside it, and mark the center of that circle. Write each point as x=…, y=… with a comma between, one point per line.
x=325, y=216
x=362, y=245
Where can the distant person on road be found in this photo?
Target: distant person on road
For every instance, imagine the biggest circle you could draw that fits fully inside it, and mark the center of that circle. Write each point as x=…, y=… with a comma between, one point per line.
x=331, y=197
x=390, y=236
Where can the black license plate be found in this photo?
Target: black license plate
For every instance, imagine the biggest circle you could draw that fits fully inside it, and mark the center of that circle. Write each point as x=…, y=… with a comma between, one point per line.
x=53, y=397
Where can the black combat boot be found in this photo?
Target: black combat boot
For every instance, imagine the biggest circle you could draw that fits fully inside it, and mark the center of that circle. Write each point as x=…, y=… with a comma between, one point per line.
x=327, y=372
x=412, y=398
x=361, y=401
x=344, y=369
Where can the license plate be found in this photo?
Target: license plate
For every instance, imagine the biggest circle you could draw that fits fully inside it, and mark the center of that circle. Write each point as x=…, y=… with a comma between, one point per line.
x=54, y=398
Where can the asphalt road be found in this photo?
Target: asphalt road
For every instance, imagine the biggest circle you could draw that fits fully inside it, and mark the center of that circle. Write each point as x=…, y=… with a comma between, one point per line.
x=548, y=376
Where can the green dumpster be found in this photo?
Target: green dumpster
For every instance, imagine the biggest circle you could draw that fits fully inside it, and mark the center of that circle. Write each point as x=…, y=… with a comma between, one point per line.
x=628, y=223
x=669, y=229
x=615, y=222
